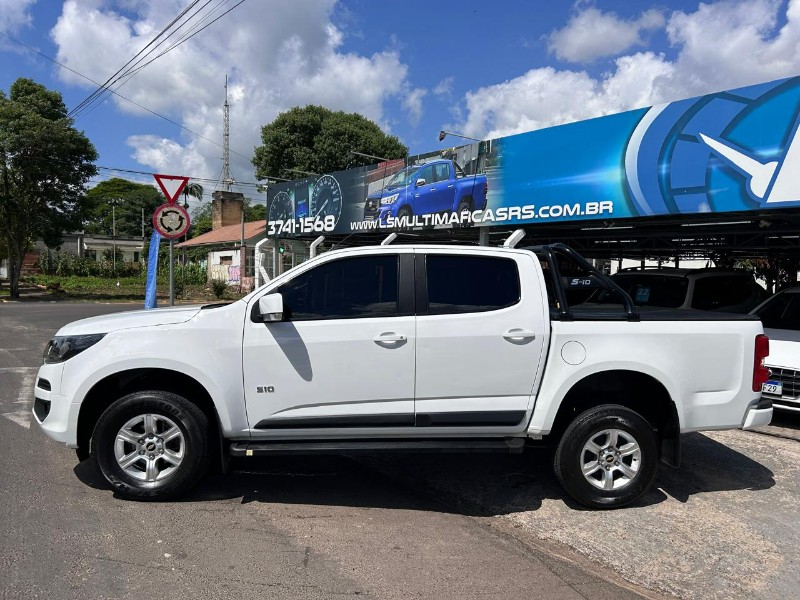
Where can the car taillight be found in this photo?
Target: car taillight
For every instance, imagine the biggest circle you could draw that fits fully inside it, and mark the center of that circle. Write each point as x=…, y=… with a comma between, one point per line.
x=760, y=370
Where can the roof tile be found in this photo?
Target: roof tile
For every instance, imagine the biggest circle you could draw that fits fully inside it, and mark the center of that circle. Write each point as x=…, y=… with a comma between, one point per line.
x=229, y=233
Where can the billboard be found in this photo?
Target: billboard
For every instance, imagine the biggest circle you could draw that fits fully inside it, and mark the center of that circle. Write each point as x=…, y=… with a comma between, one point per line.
x=735, y=150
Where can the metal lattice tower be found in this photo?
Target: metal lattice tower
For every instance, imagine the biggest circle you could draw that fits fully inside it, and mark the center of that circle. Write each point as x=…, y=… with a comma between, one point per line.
x=227, y=179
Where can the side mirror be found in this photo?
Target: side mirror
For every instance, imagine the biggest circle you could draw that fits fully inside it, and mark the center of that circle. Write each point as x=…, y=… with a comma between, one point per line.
x=270, y=308
x=420, y=182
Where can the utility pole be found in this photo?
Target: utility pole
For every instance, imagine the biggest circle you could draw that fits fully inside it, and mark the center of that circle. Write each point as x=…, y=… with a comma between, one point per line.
x=113, y=202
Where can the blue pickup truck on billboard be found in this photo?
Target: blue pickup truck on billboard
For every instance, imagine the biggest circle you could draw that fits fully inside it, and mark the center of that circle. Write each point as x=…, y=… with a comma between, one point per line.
x=439, y=186
x=731, y=151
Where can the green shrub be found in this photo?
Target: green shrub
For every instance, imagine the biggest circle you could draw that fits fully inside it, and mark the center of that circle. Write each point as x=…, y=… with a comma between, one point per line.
x=219, y=287
x=67, y=264
x=178, y=287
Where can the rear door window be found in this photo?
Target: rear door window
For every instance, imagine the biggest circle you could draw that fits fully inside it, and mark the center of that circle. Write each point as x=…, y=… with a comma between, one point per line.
x=464, y=284
x=442, y=172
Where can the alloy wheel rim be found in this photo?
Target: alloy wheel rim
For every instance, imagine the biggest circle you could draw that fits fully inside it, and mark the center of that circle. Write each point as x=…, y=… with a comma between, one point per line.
x=150, y=447
x=611, y=459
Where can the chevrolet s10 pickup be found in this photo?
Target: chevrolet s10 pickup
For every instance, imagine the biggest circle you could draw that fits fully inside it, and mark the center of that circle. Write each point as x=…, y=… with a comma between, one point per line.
x=404, y=348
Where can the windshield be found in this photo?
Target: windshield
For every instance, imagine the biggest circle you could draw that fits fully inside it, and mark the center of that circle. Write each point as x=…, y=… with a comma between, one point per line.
x=648, y=290
x=402, y=177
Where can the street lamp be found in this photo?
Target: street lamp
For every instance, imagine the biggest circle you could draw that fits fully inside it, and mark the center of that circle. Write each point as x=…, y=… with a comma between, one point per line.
x=443, y=134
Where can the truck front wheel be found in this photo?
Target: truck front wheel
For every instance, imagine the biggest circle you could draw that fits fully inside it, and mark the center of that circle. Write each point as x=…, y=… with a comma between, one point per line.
x=607, y=457
x=151, y=445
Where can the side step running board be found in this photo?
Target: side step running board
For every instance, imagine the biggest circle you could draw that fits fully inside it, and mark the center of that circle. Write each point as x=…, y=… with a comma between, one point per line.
x=508, y=445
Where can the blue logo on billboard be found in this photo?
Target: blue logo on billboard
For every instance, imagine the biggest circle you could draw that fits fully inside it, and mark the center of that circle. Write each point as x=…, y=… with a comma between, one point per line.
x=736, y=150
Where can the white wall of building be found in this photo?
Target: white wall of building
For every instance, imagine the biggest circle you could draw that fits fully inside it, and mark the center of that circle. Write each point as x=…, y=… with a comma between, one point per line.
x=224, y=265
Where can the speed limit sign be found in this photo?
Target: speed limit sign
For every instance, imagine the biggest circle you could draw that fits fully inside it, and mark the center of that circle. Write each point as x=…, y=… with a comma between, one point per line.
x=171, y=220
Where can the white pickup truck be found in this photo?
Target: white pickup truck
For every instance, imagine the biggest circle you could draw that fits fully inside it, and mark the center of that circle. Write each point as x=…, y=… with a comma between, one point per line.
x=415, y=348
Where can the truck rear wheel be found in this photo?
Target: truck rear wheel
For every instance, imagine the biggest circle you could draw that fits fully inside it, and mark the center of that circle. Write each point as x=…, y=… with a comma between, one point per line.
x=151, y=445
x=607, y=457
x=464, y=208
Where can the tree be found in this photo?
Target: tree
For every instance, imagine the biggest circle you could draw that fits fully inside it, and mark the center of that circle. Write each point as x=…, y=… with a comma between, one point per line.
x=195, y=190
x=129, y=198
x=201, y=220
x=44, y=165
x=318, y=140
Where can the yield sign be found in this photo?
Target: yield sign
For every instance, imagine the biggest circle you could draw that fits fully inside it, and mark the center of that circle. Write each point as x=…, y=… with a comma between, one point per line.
x=171, y=185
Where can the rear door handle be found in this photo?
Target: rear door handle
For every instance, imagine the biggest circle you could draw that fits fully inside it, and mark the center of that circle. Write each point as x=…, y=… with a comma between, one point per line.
x=519, y=334
x=390, y=337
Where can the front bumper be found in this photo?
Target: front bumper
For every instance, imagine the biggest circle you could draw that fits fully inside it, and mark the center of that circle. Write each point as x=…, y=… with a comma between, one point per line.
x=790, y=378
x=758, y=414
x=55, y=413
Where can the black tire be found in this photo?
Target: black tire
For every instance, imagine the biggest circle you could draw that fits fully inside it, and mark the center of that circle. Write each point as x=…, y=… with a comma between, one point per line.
x=404, y=211
x=166, y=410
x=465, y=205
x=631, y=475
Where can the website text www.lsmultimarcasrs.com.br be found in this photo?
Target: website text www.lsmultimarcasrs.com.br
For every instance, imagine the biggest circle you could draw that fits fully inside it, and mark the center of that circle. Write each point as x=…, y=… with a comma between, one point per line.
x=498, y=215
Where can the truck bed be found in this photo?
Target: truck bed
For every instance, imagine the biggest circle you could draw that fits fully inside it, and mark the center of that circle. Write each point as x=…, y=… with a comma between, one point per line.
x=616, y=312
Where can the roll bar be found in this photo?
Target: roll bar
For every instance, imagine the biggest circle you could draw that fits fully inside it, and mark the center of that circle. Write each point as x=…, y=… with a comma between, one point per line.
x=549, y=252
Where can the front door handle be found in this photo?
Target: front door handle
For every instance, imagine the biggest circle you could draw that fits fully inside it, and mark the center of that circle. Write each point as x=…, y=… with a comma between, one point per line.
x=390, y=337
x=517, y=335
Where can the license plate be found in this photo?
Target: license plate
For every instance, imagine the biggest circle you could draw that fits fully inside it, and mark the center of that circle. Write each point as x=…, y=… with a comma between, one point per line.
x=772, y=387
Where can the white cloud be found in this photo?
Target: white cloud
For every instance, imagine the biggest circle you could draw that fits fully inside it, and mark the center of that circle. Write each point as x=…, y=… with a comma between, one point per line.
x=591, y=34
x=14, y=14
x=723, y=45
x=444, y=88
x=277, y=55
x=412, y=102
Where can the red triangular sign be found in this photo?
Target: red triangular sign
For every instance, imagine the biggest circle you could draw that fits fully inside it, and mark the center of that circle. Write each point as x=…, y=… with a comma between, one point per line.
x=171, y=185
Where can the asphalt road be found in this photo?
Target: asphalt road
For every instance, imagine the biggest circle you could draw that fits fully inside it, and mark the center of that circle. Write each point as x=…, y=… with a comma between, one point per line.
x=300, y=528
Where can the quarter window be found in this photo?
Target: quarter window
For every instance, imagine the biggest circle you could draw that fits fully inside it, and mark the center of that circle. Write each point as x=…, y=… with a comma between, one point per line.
x=351, y=288
x=464, y=284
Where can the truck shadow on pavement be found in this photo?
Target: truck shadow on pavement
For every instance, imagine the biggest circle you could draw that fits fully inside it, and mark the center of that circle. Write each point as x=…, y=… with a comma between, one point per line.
x=468, y=484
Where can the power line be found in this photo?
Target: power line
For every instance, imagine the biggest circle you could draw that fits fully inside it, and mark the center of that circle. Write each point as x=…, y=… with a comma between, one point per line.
x=152, y=112
x=126, y=74
x=110, y=80
x=125, y=77
x=207, y=179
x=187, y=37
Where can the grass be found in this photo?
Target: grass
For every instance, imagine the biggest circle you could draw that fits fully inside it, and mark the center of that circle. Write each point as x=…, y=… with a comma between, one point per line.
x=123, y=289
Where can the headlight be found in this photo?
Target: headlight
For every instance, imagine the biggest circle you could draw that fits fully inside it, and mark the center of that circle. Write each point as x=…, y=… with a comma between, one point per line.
x=389, y=199
x=62, y=348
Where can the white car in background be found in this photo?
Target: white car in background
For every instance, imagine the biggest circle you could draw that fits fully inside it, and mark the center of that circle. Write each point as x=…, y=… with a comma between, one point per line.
x=780, y=316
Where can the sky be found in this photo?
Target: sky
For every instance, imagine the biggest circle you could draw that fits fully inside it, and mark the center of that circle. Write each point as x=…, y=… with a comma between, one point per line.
x=481, y=69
